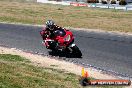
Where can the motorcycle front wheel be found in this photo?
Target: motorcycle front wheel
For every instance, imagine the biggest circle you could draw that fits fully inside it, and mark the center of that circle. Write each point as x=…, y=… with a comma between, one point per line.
x=76, y=51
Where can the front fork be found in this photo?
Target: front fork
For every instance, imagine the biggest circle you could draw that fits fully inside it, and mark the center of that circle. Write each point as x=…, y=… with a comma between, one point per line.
x=45, y=43
x=70, y=47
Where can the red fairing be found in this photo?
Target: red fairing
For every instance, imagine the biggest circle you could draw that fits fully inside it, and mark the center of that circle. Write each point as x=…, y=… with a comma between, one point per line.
x=62, y=40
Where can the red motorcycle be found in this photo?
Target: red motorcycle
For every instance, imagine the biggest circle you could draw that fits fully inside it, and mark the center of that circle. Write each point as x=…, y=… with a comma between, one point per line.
x=63, y=40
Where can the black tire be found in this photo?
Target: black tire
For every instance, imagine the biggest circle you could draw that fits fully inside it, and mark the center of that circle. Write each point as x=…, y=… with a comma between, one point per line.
x=76, y=51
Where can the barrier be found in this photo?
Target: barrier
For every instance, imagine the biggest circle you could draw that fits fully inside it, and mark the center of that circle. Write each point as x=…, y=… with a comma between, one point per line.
x=78, y=4
x=110, y=6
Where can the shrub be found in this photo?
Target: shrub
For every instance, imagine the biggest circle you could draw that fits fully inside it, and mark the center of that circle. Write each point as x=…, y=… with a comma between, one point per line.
x=104, y=2
x=113, y=2
x=122, y=2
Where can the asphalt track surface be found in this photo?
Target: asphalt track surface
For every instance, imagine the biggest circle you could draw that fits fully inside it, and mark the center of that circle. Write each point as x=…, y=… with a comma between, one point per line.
x=105, y=51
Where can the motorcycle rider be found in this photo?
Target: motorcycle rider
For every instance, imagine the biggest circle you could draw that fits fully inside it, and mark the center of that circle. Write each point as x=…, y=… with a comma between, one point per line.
x=49, y=30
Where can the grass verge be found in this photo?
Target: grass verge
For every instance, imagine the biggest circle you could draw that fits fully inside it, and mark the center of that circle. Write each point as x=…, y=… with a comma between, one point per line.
x=68, y=16
x=18, y=72
x=15, y=72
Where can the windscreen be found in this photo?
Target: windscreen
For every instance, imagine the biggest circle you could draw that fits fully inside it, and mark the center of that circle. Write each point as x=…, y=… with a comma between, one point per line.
x=60, y=33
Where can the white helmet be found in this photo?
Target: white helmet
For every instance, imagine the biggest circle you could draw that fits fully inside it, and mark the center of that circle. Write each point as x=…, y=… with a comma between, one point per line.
x=50, y=24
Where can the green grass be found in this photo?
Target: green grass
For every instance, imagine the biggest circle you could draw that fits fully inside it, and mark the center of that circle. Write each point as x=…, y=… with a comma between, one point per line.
x=68, y=16
x=9, y=57
x=16, y=72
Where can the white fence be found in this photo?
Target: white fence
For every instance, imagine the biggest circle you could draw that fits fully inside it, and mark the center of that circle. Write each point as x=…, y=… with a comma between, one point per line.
x=110, y=6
